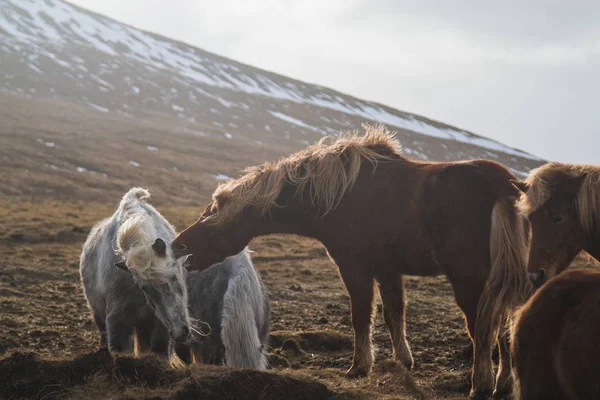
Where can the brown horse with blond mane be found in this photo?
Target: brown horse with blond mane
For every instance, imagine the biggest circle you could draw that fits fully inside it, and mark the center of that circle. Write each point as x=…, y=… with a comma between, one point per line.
x=381, y=216
x=562, y=203
x=555, y=340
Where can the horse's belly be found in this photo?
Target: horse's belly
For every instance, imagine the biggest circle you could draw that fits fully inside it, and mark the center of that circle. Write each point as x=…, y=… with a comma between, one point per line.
x=422, y=267
x=413, y=261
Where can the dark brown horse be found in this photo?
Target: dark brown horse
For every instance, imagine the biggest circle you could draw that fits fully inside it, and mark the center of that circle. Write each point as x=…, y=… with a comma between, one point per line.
x=555, y=340
x=380, y=216
x=562, y=202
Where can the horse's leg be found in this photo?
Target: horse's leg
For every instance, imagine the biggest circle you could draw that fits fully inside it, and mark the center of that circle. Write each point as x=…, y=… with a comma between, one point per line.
x=482, y=382
x=359, y=283
x=160, y=340
x=120, y=334
x=183, y=351
x=391, y=289
x=504, y=381
x=143, y=335
x=101, y=324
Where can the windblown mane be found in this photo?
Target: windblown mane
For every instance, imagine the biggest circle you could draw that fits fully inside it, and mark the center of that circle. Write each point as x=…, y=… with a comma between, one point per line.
x=542, y=183
x=329, y=170
x=134, y=243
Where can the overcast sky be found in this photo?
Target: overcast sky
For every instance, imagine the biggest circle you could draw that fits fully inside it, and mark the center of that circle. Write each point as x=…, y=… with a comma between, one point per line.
x=526, y=73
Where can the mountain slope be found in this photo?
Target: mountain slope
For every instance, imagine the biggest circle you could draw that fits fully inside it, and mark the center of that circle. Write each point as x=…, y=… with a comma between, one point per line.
x=53, y=50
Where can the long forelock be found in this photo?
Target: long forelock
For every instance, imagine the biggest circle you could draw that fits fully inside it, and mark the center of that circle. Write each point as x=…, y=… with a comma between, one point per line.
x=330, y=170
x=134, y=244
x=542, y=183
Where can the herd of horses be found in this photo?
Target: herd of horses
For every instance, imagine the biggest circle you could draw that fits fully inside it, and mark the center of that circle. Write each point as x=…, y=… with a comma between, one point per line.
x=500, y=241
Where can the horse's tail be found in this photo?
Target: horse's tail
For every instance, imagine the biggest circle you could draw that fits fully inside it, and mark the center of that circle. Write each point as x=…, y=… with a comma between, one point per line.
x=243, y=315
x=136, y=193
x=508, y=284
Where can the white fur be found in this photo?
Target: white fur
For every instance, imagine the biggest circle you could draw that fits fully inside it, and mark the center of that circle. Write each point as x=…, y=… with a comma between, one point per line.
x=242, y=308
x=136, y=236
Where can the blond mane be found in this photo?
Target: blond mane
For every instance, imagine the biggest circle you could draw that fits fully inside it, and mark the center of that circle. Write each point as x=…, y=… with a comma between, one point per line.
x=329, y=170
x=542, y=182
x=134, y=244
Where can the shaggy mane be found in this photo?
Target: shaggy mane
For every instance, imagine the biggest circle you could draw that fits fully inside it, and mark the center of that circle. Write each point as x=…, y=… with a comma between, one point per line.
x=329, y=170
x=542, y=183
x=134, y=243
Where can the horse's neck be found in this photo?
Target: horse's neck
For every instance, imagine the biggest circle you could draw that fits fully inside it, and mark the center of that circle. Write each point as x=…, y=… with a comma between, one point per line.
x=283, y=226
x=292, y=219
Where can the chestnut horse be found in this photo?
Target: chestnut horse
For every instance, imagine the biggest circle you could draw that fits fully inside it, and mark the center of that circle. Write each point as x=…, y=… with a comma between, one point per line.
x=380, y=216
x=555, y=340
x=562, y=202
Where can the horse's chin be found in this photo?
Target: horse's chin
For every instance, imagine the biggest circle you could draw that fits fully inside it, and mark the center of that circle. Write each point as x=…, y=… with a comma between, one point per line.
x=200, y=263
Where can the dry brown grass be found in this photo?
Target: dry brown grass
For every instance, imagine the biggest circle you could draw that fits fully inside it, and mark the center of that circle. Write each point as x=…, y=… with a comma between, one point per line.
x=99, y=376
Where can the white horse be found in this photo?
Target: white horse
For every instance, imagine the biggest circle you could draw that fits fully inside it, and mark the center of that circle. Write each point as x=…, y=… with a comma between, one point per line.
x=131, y=281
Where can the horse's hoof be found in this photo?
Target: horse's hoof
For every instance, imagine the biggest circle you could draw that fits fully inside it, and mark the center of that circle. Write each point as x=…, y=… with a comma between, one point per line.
x=409, y=364
x=479, y=395
x=405, y=358
x=504, y=389
x=503, y=394
x=355, y=373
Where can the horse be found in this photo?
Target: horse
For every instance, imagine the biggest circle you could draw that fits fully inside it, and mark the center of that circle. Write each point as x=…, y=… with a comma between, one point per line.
x=554, y=339
x=230, y=298
x=562, y=203
x=134, y=286
x=381, y=215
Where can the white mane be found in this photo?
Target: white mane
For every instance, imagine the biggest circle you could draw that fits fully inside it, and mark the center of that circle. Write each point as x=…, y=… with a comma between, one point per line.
x=134, y=243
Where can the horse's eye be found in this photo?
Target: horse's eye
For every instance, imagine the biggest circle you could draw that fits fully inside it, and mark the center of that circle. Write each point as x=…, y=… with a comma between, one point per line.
x=557, y=219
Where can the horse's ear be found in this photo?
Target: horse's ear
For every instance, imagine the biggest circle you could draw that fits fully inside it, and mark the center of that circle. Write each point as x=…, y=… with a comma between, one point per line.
x=159, y=247
x=122, y=265
x=520, y=185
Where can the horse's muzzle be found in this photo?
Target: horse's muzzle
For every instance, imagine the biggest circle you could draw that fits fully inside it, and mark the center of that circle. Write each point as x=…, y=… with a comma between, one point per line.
x=180, y=335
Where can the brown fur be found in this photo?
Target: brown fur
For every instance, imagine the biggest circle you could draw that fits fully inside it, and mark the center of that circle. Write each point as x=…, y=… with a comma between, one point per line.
x=562, y=202
x=555, y=340
x=379, y=220
x=543, y=182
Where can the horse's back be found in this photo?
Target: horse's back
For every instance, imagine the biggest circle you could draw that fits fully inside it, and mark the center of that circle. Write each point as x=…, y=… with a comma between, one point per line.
x=555, y=338
x=474, y=182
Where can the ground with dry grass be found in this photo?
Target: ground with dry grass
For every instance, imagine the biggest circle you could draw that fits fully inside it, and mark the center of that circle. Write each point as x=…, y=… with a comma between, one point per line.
x=44, y=318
